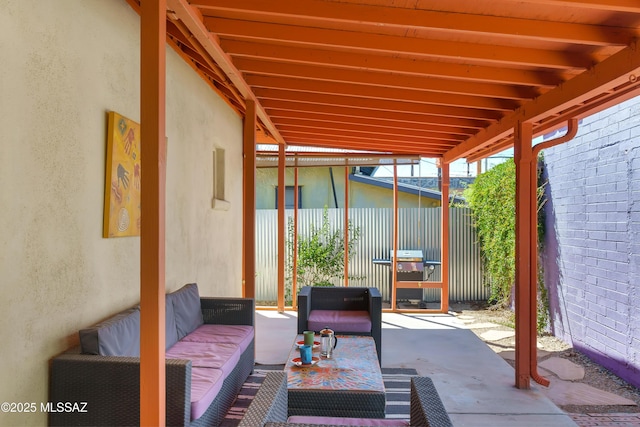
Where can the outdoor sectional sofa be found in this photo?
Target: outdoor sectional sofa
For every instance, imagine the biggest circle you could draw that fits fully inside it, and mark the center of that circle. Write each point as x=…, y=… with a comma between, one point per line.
x=209, y=354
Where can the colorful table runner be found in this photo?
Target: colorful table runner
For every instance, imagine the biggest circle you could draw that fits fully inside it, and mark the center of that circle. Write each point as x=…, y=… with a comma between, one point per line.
x=353, y=366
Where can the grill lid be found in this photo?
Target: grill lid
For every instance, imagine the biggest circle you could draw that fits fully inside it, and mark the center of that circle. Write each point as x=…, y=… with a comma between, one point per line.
x=408, y=255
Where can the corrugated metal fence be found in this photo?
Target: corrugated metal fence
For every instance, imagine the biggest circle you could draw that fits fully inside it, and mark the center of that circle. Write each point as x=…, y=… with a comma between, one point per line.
x=418, y=229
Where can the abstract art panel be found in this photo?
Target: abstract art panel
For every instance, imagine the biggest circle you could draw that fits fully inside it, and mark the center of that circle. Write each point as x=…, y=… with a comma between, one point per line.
x=122, y=183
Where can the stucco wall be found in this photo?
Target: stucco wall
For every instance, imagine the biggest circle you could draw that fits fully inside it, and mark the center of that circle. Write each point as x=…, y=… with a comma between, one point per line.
x=592, y=254
x=65, y=63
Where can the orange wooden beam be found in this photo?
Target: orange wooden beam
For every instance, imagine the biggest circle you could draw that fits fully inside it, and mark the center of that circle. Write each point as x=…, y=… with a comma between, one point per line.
x=193, y=21
x=202, y=56
x=380, y=92
x=377, y=104
x=367, y=145
x=355, y=129
x=427, y=138
x=619, y=69
x=375, y=16
x=249, y=202
x=483, y=73
x=400, y=116
x=373, y=118
x=292, y=117
x=152, y=227
x=393, y=44
x=523, y=159
x=282, y=228
x=257, y=66
x=329, y=136
x=610, y=5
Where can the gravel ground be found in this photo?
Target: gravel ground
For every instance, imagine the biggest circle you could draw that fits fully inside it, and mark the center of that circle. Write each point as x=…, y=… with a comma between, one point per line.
x=595, y=375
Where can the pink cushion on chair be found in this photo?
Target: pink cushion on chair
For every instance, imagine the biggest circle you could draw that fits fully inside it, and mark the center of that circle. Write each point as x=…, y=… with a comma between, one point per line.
x=206, y=383
x=204, y=355
x=340, y=320
x=240, y=335
x=336, y=421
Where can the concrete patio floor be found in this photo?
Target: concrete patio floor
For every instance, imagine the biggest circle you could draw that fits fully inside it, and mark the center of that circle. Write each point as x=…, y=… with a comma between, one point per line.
x=475, y=384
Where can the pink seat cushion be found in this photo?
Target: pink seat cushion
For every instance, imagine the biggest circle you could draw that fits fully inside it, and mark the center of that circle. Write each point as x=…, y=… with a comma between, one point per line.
x=204, y=355
x=335, y=421
x=340, y=320
x=240, y=335
x=205, y=386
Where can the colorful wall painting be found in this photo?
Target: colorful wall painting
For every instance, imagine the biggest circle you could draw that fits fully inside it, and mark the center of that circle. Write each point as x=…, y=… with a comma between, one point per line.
x=122, y=183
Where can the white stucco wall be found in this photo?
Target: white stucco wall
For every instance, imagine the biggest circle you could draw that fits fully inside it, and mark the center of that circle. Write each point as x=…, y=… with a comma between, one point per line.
x=64, y=65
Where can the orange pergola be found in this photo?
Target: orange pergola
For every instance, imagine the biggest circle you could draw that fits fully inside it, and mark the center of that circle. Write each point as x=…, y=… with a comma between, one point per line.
x=443, y=79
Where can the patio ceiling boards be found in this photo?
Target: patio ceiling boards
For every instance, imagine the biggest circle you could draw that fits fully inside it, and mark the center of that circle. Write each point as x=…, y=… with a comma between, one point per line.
x=432, y=78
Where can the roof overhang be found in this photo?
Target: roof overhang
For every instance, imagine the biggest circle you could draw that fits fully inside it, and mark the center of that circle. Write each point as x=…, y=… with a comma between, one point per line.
x=439, y=79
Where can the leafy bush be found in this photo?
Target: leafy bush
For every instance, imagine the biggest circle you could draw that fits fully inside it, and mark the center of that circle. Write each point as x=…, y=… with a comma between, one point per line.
x=492, y=201
x=320, y=254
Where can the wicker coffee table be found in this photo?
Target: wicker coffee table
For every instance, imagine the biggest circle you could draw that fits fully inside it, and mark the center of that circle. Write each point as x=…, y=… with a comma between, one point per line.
x=347, y=385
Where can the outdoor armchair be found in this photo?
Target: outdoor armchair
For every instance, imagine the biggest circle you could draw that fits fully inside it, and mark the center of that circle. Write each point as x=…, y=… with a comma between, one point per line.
x=346, y=310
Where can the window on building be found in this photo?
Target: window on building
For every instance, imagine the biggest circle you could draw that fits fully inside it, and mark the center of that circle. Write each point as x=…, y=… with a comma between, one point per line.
x=219, y=202
x=288, y=197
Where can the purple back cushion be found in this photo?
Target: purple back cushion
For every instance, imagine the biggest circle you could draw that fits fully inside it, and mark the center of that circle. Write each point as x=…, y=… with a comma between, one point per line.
x=340, y=320
x=117, y=336
x=171, y=330
x=186, y=308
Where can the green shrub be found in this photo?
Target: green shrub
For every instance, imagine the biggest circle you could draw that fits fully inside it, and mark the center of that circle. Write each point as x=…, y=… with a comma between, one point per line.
x=492, y=201
x=320, y=254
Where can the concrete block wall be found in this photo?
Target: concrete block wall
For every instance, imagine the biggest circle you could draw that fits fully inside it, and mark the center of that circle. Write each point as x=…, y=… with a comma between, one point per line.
x=592, y=248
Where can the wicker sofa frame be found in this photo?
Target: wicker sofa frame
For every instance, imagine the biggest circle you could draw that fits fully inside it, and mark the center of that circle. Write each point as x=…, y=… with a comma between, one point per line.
x=269, y=407
x=111, y=385
x=343, y=298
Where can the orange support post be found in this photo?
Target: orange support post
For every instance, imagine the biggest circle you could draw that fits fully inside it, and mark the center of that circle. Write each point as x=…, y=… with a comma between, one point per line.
x=282, y=194
x=394, y=259
x=294, y=285
x=346, y=226
x=249, y=205
x=444, y=236
x=523, y=159
x=152, y=227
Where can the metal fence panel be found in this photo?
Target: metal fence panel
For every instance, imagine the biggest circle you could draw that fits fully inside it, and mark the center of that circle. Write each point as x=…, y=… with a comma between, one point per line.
x=417, y=229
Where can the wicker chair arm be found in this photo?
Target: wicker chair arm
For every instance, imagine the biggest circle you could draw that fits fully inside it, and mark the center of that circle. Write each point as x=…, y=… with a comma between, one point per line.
x=426, y=407
x=228, y=311
x=270, y=403
x=110, y=386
